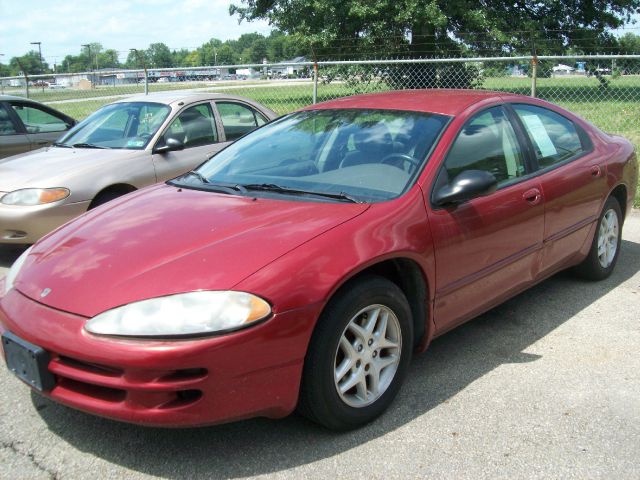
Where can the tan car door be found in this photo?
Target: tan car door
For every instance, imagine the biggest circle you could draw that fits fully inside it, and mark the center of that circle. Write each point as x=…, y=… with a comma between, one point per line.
x=43, y=127
x=195, y=127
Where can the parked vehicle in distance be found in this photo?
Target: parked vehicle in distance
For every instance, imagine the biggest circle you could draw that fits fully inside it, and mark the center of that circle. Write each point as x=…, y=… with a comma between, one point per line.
x=304, y=264
x=56, y=86
x=123, y=146
x=27, y=125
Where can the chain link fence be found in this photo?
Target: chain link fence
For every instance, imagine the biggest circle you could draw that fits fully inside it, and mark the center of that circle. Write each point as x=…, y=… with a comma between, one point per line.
x=603, y=89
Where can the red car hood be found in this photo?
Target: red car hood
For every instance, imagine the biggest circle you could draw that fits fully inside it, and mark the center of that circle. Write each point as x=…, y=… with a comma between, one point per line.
x=164, y=240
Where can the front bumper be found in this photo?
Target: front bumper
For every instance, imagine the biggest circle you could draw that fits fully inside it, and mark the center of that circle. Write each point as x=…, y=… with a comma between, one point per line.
x=253, y=372
x=26, y=225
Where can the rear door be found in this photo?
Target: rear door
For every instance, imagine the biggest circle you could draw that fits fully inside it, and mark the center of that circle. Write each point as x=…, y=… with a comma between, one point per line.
x=573, y=178
x=196, y=128
x=238, y=119
x=486, y=249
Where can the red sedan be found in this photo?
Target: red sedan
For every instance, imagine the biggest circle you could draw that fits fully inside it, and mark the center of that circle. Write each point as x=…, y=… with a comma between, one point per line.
x=305, y=263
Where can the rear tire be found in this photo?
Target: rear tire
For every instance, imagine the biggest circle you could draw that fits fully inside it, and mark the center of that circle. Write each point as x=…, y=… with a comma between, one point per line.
x=358, y=355
x=605, y=247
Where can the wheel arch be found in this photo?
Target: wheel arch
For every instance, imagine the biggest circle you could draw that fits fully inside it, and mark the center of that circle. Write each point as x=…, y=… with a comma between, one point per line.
x=620, y=194
x=408, y=275
x=116, y=188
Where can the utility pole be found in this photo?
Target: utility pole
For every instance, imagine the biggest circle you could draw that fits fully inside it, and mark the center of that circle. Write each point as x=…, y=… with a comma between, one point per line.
x=94, y=78
x=41, y=63
x=144, y=66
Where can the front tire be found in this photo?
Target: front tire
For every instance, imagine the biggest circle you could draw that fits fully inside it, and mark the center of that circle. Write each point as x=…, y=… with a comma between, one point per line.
x=605, y=247
x=358, y=355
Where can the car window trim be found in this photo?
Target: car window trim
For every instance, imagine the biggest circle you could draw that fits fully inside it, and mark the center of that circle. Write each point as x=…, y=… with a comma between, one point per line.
x=524, y=148
x=582, y=135
x=244, y=104
x=70, y=122
x=184, y=108
x=15, y=119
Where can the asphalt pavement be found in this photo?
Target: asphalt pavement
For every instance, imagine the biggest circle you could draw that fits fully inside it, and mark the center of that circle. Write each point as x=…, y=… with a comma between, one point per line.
x=545, y=386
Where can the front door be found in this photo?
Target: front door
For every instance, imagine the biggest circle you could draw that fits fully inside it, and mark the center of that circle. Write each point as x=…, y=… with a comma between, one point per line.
x=486, y=248
x=196, y=128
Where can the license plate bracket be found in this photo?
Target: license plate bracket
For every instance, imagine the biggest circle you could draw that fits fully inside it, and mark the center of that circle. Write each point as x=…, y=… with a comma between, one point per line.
x=28, y=362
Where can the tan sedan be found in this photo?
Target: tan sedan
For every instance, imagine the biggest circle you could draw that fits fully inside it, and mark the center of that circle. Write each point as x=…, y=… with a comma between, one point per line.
x=120, y=148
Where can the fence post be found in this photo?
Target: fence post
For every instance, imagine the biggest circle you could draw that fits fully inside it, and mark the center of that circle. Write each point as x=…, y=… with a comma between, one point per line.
x=146, y=81
x=315, y=82
x=534, y=74
x=26, y=82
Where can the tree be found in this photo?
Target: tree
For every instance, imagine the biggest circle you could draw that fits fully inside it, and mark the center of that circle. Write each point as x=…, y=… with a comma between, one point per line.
x=209, y=52
x=226, y=55
x=109, y=59
x=159, y=56
x=5, y=70
x=629, y=44
x=192, y=59
x=258, y=50
x=134, y=60
x=180, y=57
x=339, y=28
x=29, y=62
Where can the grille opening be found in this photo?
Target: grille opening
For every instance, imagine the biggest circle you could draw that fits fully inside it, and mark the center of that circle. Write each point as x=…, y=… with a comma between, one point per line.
x=90, y=367
x=94, y=391
x=183, y=398
x=185, y=374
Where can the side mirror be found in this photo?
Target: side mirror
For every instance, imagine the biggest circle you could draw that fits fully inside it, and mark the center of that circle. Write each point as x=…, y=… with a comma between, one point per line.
x=467, y=185
x=170, y=145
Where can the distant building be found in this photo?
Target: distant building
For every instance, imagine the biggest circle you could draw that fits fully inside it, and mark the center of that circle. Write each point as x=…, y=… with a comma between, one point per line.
x=562, y=69
x=280, y=69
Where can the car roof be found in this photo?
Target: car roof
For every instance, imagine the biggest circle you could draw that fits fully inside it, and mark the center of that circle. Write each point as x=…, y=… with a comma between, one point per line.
x=175, y=96
x=444, y=101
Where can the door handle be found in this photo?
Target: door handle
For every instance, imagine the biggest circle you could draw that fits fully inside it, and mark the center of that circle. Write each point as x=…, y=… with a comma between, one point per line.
x=595, y=171
x=43, y=142
x=532, y=196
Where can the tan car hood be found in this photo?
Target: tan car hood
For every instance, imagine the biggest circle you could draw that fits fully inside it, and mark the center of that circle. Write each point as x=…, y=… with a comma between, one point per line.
x=52, y=167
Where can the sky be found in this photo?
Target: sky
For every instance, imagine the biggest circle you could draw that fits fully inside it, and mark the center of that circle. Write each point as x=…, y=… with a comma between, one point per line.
x=63, y=26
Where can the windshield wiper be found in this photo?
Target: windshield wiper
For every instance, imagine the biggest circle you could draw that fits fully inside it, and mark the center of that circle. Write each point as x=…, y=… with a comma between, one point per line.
x=218, y=187
x=87, y=145
x=198, y=175
x=272, y=187
x=59, y=144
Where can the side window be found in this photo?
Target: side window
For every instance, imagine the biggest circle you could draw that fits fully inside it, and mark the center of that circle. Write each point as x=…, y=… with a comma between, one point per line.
x=487, y=142
x=36, y=120
x=554, y=137
x=194, y=127
x=237, y=119
x=6, y=125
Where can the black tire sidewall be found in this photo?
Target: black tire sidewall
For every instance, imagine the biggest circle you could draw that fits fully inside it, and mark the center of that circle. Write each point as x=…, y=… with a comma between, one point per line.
x=590, y=268
x=326, y=405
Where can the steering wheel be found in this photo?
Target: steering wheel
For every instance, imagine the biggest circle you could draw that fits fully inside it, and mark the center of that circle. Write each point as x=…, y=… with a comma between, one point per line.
x=393, y=158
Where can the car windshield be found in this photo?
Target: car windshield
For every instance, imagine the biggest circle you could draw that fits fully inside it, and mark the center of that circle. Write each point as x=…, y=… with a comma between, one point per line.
x=341, y=155
x=127, y=125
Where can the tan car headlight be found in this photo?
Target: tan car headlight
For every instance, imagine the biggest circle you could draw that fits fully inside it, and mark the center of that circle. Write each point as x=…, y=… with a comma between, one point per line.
x=35, y=196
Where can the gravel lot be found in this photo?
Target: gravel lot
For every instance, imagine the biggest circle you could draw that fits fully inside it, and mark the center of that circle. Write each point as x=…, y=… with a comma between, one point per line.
x=544, y=386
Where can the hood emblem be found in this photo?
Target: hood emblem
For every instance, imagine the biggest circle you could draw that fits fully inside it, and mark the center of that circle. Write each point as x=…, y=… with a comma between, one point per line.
x=45, y=292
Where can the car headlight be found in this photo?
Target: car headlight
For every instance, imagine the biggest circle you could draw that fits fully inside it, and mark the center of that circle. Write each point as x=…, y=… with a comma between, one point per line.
x=35, y=196
x=182, y=315
x=14, y=270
